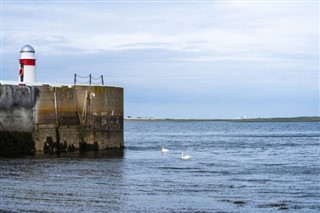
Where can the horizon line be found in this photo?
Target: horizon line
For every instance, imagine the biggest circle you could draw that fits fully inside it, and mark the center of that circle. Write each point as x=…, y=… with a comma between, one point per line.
x=298, y=118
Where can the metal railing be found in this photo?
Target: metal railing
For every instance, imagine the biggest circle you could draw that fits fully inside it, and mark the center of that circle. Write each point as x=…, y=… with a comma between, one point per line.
x=91, y=80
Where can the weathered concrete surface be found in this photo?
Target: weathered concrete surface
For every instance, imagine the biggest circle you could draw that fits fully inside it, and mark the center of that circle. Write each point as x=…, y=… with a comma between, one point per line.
x=16, y=108
x=63, y=118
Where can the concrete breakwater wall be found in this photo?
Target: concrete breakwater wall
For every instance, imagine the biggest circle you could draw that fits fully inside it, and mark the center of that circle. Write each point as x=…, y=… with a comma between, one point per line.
x=50, y=119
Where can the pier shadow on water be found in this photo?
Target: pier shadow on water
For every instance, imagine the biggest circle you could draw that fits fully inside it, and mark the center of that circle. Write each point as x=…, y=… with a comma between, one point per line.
x=108, y=153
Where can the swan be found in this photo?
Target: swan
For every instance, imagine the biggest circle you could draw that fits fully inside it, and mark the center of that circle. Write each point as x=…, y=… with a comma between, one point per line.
x=185, y=157
x=163, y=150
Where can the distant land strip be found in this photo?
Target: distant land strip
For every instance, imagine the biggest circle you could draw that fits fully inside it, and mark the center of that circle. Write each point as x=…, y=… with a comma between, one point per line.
x=280, y=119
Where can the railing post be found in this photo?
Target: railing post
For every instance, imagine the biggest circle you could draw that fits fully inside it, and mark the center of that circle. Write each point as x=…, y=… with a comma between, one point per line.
x=90, y=79
x=102, y=80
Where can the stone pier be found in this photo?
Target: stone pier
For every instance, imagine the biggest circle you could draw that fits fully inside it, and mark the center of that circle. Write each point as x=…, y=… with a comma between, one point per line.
x=60, y=119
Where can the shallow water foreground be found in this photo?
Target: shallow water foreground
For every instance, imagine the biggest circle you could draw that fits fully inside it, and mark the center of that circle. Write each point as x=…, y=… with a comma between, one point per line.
x=235, y=167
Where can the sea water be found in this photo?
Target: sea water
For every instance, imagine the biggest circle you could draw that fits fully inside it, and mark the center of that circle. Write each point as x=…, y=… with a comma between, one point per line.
x=235, y=167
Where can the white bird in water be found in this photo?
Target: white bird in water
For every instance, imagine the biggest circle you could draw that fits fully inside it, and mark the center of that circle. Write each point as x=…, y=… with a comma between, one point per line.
x=163, y=150
x=185, y=157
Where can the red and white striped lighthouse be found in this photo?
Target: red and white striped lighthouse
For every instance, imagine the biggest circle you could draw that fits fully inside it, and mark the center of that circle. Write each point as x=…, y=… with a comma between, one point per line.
x=27, y=61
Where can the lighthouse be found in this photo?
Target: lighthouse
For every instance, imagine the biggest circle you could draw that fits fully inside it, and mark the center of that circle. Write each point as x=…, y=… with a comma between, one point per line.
x=27, y=65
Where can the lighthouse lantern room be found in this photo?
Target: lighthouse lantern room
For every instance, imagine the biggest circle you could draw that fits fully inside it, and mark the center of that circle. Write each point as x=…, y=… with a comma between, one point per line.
x=27, y=65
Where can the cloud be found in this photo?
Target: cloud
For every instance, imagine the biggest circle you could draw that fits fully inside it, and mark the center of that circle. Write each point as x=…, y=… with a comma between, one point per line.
x=224, y=26
x=174, y=52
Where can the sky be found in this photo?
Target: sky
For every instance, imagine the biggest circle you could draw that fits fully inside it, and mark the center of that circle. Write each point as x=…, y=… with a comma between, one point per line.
x=176, y=59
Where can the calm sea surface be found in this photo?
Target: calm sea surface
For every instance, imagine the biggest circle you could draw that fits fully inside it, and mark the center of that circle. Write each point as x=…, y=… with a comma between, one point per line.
x=235, y=167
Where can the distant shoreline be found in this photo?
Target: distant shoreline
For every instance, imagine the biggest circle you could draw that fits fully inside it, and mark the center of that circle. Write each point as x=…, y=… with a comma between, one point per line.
x=280, y=119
